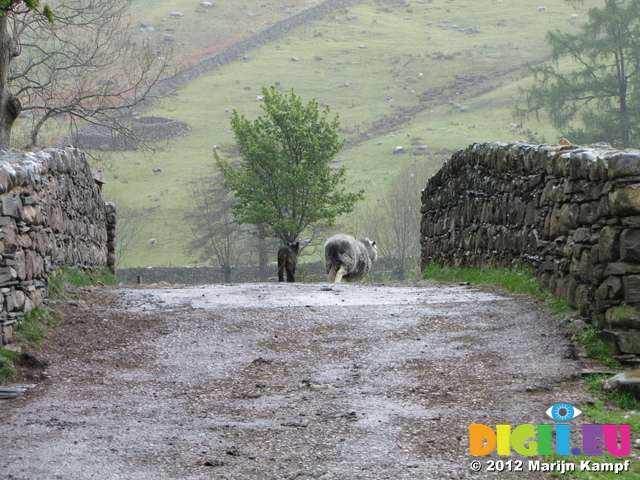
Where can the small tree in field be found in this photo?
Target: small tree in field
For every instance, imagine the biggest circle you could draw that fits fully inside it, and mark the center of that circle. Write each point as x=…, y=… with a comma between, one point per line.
x=212, y=226
x=394, y=221
x=284, y=181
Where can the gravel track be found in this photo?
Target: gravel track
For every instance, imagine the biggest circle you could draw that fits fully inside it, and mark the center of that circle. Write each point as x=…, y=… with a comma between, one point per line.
x=283, y=381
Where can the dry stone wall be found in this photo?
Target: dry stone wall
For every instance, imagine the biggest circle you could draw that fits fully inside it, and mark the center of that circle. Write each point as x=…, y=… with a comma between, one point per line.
x=241, y=47
x=143, y=129
x=571, y=213
x=311, y=272
x=52, y=215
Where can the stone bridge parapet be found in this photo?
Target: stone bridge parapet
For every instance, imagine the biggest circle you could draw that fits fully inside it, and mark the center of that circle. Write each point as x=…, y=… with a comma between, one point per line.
x=571, y=213
x=52, y=215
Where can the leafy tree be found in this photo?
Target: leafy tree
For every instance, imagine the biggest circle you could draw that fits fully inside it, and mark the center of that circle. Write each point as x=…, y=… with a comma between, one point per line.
x=9, y=49
x=599, y=99
x=284, y=181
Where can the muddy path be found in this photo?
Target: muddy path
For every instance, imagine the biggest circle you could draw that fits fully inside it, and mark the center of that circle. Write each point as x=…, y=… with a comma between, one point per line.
x=283, y=381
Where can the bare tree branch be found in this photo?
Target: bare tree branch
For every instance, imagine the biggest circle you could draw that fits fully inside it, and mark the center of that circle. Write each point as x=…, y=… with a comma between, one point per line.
x=84, y=68
x=213, y=228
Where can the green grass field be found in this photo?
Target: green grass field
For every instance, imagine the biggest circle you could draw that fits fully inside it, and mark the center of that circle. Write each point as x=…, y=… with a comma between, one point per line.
x=397, y=75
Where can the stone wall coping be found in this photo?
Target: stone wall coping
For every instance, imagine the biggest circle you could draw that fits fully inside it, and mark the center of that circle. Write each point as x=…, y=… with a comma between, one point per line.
x=571, y=213
x=52, y=215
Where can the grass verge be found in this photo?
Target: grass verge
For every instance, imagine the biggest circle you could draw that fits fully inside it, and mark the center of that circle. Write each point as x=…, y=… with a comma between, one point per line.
x=31, y=330
x=615, y=407
x=7, y=359
x=602, y=414
x=521, y=282
x=35, y=326
x=61, y=281
x=597, y=349
x=621, y=399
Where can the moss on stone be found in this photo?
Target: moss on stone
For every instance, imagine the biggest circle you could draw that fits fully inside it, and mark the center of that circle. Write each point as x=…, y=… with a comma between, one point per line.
x=623, y=316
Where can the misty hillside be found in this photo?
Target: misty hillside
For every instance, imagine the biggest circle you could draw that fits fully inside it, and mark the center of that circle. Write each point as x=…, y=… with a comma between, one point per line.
x=430, y=76
x=197, y=29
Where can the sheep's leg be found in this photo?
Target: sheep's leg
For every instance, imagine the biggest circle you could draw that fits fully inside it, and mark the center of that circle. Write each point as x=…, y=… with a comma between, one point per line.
x=339, y=274
x=290, y=274
x=331, y=275
x=281, y=273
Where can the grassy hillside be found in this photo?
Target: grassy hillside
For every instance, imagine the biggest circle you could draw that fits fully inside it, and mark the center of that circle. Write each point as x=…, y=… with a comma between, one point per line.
x=440, y=74
x=202, y=31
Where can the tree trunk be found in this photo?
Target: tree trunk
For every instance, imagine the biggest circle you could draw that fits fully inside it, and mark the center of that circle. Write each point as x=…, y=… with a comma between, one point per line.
x=35, y=131
x=263, y=259
x=263, y=255
x=9, y=105
x=226, y=273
